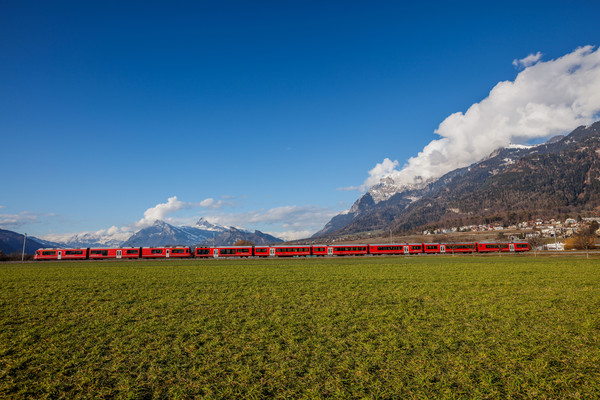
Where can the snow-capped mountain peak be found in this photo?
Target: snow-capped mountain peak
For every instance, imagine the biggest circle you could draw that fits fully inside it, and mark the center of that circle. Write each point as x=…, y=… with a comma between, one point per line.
x=388, y=187
x=203, y=224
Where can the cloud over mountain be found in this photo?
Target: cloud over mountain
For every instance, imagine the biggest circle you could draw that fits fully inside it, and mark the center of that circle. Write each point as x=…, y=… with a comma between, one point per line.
x=545, y=99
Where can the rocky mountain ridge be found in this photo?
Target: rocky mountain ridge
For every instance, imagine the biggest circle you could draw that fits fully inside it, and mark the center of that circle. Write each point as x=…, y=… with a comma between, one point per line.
x=12, y=242
x=160, y=233
x=563, y=170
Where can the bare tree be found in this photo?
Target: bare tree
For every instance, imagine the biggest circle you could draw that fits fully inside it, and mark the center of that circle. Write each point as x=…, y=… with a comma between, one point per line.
x=585, y=239
x=534, y=242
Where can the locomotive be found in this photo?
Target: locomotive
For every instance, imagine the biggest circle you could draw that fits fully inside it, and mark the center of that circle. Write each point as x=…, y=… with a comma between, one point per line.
x=277, y=251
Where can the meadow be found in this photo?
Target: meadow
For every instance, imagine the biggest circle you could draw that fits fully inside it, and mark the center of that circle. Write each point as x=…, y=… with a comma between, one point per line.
x=421, y=327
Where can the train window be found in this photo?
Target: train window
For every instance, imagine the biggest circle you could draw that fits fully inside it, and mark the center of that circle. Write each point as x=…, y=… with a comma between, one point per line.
x=73, y=252
x=318, y=248
x=177, y=251
x=340, y=249
x=291, y=249
x=522, y=245
x=49, y=253
x=261, y=250
x=389, y=248
x=156, y=251
x=132, y=252
x=460, y=246
x=202, y=251
x=243, y=250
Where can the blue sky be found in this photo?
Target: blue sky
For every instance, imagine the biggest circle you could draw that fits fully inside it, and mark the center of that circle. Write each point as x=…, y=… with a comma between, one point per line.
x=252, y=114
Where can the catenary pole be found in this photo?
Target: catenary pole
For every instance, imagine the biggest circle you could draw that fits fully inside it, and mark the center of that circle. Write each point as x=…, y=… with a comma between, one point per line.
x=23, y=252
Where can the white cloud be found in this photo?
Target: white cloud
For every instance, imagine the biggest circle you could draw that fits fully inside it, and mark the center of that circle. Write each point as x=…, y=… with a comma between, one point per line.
x=292, y=235
x=115, y=233
x=160, y=211
x=527, y=61
x=18, y=220
x=211, y=203
x=288, y=221
x=545, y=99
x=108, y=236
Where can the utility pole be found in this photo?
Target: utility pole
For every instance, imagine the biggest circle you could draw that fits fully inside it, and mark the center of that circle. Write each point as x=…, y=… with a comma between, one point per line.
x=391, y=237
x=23, y=252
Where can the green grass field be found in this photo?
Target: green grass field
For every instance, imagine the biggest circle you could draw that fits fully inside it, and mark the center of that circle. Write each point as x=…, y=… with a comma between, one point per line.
x=395, y=327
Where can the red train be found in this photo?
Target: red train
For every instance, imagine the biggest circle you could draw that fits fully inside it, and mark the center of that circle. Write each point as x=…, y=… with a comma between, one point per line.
x=108, y=253
x=277, y=251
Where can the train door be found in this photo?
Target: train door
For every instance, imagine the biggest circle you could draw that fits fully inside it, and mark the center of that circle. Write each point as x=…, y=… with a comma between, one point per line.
x=59, y=255
x=168, y=253
x=511, y=247
x=216, y=253
x=406, y=250
x=442, y=248
x=119, y=253
x=271, y=252
x=330, y=251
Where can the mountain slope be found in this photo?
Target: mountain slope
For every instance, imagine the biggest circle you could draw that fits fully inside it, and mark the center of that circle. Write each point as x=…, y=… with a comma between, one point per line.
x=164, y=234
x=559, y=177
x=12, y=242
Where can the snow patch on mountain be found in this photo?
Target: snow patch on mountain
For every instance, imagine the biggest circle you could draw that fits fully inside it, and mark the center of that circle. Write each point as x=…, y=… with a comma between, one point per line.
x=203, y=224
x=519, y=146
x=388, y=188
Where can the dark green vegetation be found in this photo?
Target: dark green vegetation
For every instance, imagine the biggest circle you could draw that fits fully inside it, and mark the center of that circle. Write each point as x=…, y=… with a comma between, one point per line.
x=415, y=327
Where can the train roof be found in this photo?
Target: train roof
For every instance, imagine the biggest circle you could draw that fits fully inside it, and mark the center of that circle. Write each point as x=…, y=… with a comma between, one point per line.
x=226, y=247
x=63, y=248
x=397, y=244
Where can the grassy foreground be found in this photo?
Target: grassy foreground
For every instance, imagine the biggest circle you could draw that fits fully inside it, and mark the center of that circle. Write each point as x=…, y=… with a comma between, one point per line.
x=410, y=328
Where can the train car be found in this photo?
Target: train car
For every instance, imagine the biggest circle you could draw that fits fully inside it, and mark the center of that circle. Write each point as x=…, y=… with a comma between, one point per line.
x=349, y=250
x=223, y=251
x=61, y=254
x=391, y=249
x=434, y=248
x=291, y=251
x=99, y=254
x=264, y=251
x=460, y=247
x=203, y=252
x=322, y=250
x=502, y=247
x=166, y=252
x=521, y=246
x=232, y=251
